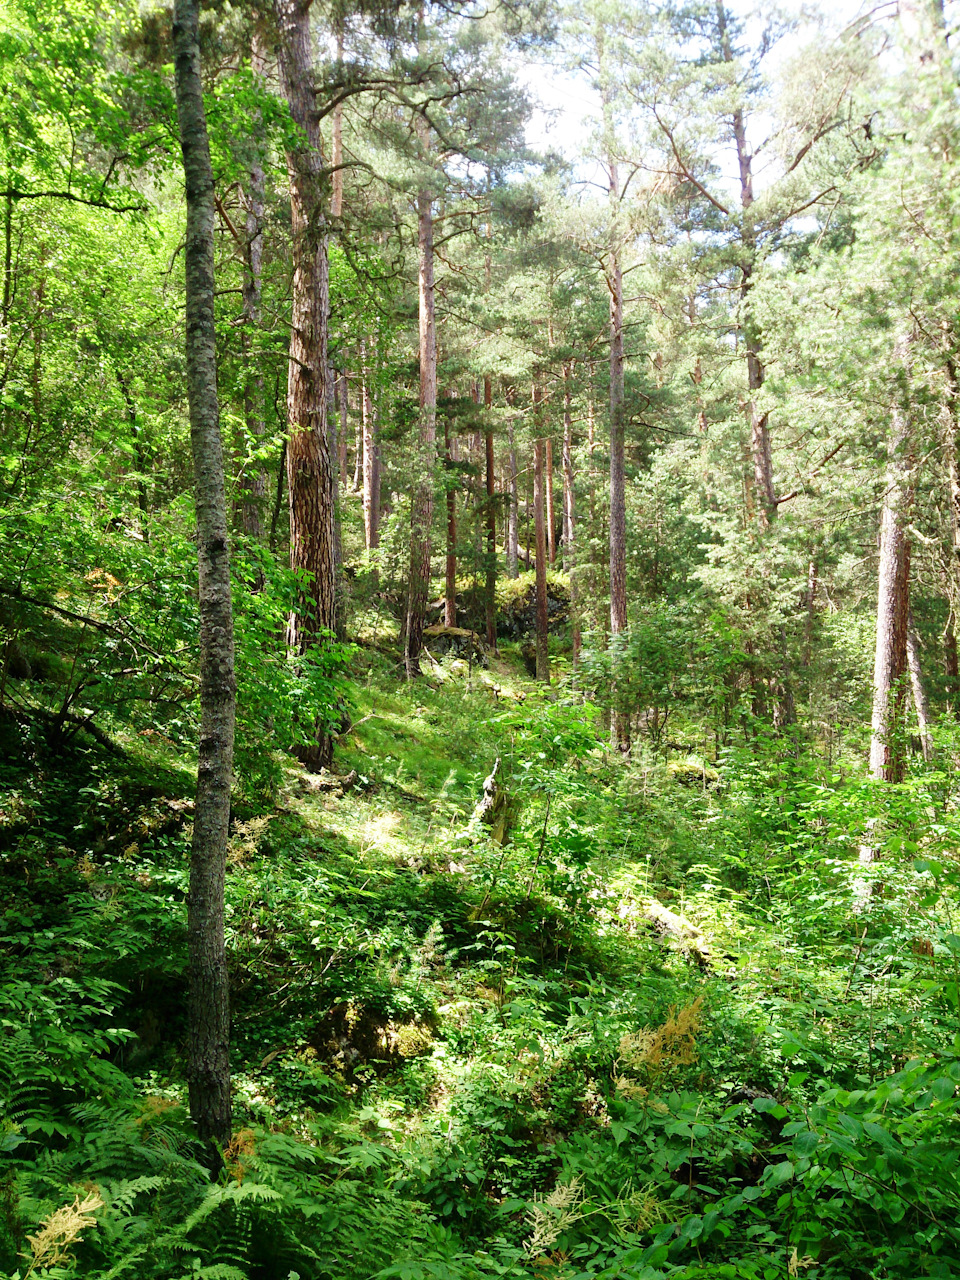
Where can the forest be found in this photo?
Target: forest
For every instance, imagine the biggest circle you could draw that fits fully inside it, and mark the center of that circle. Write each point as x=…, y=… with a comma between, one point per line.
x=479, y=610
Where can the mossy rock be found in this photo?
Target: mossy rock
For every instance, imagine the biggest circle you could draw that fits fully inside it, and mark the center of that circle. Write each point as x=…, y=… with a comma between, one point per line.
x=517, y=606
x=457, y=642
x=691, y=773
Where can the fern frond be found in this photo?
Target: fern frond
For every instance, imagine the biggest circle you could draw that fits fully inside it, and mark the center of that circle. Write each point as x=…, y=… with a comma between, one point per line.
x=218, y=1196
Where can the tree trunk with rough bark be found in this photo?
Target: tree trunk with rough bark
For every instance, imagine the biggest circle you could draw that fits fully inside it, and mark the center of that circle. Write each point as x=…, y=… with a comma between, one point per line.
x=209, y=1013
x=551, y=511
x=422, y=509
x=620, y=720
x=513, y=511
x=490, y=576
x=543, y=650
x=253, y=479
x=450, y=576
x=570, y=512
x=620, y=723
x=343, y=409
x=336, y=149
x=310, y=477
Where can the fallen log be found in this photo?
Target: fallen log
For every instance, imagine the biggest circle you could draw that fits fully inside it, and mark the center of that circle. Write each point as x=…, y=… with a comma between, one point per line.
x=691, y=939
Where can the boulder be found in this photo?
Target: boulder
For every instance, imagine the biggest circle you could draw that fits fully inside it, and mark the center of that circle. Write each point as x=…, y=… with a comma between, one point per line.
x=457, y=642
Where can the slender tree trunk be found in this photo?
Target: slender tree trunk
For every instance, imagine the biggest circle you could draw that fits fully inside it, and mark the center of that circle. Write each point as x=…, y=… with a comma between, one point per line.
x=209, y=1014
x=336, y=150
x=422, y=510
x=570, y=514
x=357, y=484
x=490, y=584
x=337, y=444
x=253, y=478
x=528, y=523
x=450, y=577
x=893, y=602
x=371, y=458
x=620, y=720
x=543, y=649
x=920, y=701
x=811, y=613
x=310, y=477
x=343, y=406
x=551, y=513
x=513, y=511
x=951, y=458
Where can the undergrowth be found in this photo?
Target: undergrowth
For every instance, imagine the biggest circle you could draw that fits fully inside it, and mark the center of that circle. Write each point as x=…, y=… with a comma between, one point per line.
x=457, y=1058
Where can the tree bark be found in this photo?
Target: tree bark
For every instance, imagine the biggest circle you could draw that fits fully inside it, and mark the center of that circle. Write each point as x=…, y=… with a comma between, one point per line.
x=253, y=478
x=570, y=513
x=310, y=480
x=450, y=576
x=336, y=150
x=209, y=1015
x=620, y=721
x=551, y=513
x=422, y=509
x=810, y=605
x=513, y=512
x=343, y=407
x=893, y=602
x=543, y=650
x=490, y=583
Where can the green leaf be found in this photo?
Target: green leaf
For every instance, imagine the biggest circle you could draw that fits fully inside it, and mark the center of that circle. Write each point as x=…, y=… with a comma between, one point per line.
x=804, y=1144
x=775, y=1175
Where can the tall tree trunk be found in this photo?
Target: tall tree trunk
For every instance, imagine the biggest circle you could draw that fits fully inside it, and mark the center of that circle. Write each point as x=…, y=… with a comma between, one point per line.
x=543, y=650
x=253, y=478
x=920, y=703
x=513, y=511
x=336, y=150
x=357, y=483
x=450, y=576
x=570, y=513
x=371, y=457
x=490, y=584
x=310, y=484
x=422, y=509
x=528, y=523
x=893, y=603
x=551, y=513
x=209, y=1014
x=810, y=606
x=343, y=407
x=620, y=720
